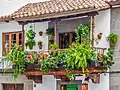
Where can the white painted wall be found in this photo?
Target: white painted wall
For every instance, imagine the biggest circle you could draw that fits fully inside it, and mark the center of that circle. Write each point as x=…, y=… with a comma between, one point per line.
x=103, y=85
x=49, y=83
x=102, y=25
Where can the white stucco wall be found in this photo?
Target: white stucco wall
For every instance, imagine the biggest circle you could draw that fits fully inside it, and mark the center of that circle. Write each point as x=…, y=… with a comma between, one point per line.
x=48, y=83
x=103, y=85
x=102, y=25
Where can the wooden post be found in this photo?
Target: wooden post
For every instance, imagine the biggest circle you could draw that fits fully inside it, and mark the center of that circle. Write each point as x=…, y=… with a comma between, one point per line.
x=92, y=29
x=55, y=28
x=23, y=36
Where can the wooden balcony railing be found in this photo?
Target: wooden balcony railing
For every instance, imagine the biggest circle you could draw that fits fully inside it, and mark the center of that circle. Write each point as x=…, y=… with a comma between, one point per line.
x=6, y=64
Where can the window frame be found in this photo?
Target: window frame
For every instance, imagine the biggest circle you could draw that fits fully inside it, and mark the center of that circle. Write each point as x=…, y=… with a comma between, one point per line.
x=10, y=40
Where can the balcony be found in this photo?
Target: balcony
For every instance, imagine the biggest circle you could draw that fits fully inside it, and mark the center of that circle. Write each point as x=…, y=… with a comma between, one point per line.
x=77, y=56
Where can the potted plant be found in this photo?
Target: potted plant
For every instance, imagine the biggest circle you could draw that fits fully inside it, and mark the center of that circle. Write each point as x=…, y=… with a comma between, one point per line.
x=40, y=44
x=30, y=42
x=99, y=35
x=106, y=59
x=112, y=38
x=40, y=33
x=32, y=61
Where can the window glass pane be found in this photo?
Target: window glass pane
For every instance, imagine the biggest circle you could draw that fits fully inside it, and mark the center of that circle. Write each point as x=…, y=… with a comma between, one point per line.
x=13, y=39
x=6, y=38
x=20, y=35
x=20, y=38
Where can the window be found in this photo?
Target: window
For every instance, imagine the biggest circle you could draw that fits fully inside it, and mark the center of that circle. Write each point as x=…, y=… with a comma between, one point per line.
x=66, y=39
x=11, y=38
x=13, y=87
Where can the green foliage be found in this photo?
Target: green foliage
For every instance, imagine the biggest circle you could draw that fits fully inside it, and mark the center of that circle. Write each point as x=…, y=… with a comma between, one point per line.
x=53, y=46
x=78, y=55
x=30, y=33
x=113, y=38
x=30, y=42
x=107, y=59
x=48, y=64
x=18, y=58
x=39, y=43
x=82, y=32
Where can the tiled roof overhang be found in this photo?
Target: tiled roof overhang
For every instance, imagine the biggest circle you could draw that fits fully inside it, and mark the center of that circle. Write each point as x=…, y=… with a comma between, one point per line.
x=55, y=8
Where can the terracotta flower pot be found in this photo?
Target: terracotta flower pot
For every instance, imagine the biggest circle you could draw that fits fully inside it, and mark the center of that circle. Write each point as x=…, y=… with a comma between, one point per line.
x=40, y=33
x=100, y=35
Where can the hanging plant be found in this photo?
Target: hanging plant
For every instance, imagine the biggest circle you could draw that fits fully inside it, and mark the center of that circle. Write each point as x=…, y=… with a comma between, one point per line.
x=112, y=38
x=82, y=32
x=30, y=42
x=30, y=33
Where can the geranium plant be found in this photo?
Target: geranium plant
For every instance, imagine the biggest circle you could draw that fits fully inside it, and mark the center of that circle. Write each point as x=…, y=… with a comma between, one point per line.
x=31, y=57
x=106, y=59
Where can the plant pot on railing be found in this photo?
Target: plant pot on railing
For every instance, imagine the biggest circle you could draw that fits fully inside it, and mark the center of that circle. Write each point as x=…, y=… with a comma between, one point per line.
x=60, y=65
x=91, y=63
x=32, y=66
x=94, y=63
